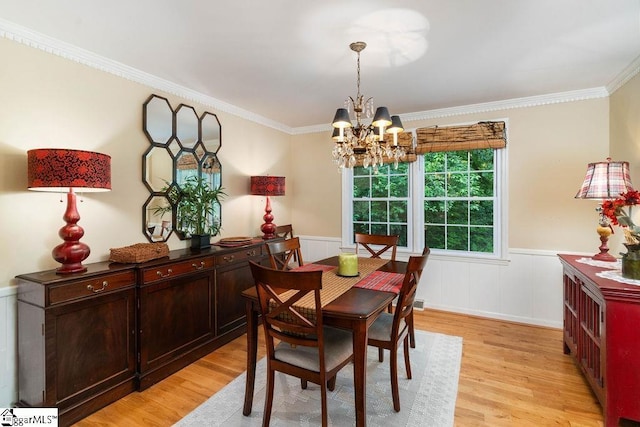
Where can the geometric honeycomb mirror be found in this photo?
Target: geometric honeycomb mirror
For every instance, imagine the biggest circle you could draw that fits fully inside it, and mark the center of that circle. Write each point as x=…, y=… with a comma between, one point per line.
x=181, y=145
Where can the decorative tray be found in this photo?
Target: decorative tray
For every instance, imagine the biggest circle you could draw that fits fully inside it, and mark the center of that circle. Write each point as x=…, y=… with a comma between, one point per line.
x=234, y=241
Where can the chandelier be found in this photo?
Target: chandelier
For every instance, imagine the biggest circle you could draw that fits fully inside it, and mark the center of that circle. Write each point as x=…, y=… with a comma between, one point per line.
x=366, y=141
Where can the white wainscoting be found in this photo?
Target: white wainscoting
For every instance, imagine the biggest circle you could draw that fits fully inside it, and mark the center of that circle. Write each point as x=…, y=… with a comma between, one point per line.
x=527, y=288
x=8, y=348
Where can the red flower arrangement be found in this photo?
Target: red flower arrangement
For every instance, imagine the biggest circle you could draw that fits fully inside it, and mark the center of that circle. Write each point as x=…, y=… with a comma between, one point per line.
x=615, y=211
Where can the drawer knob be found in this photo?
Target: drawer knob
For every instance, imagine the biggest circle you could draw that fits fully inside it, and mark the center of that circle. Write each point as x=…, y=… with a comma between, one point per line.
x=198, y=267
x=251, y=252
x=228, y=258
x=169, y=271
x=95, y=291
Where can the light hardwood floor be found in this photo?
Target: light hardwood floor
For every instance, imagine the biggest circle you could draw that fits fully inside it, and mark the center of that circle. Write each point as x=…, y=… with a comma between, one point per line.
x=511, y=375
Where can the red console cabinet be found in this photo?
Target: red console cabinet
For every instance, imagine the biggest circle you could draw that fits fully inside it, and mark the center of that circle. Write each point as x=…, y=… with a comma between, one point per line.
x=602, y=334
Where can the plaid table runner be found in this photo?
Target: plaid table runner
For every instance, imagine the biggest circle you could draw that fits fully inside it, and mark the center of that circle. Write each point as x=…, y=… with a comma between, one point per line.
x=382, y=281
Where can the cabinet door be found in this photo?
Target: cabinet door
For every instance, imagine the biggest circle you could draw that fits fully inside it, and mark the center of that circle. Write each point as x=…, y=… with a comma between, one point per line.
x=90, y=347
x=231, y=280
x=571, y=326
x=176, y=316
x=590, y=352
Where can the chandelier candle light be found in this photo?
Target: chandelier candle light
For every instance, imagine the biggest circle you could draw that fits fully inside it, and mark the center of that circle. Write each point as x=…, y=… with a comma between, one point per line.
x=60, y=170
x=605, y=181
x=268, y=186
x=364, y=140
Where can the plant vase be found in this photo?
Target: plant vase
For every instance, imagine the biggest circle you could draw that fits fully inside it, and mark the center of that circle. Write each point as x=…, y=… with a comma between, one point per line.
x=200, y=241
x=631, y=262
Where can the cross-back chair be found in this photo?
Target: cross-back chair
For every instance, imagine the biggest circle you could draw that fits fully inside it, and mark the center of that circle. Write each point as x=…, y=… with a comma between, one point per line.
x=382, y=243
x=285, y=231
x=389, y=330
x=372, y=243
x=306, y=348
x=283, y=252
x=412, y=335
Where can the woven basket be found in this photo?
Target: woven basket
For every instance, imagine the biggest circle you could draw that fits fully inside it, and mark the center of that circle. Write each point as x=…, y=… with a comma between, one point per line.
x=140, y=252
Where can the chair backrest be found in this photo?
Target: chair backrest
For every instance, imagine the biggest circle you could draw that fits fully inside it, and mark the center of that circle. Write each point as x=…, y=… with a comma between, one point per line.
x=386, y=241
x=404, y=306
x=285, y=231
x=282, y=320
x=282, y=252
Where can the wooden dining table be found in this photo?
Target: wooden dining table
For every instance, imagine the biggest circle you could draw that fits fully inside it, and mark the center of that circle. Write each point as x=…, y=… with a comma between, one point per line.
x=355, y=309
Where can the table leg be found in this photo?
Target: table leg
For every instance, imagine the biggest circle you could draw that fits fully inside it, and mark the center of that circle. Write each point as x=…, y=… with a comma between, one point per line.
x=252, y=352
x=360, y=371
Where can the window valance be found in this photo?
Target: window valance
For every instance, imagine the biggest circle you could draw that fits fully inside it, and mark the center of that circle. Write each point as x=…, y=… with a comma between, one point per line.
x=457, y=138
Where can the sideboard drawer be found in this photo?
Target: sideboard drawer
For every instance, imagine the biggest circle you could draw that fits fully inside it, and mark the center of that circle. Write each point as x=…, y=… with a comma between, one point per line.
x=238, y=256
x=163, y=272
x=86, y=288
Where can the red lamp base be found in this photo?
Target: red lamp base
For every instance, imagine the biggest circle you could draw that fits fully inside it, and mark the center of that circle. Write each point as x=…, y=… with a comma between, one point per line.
x=72, y=252
x=268, y=228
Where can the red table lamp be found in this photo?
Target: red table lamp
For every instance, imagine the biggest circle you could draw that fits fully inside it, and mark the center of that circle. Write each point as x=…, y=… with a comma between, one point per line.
x=267, y=186
x=605, y=180
x=60, y=170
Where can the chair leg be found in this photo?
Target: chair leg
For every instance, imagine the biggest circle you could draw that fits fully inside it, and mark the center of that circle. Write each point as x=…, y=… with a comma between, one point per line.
x=412, y=334
x=331, y=384
x=395, y=393
x=380, y=354
x=268, y=401
x=303, y=384
x=407, y=362
x=323, y=398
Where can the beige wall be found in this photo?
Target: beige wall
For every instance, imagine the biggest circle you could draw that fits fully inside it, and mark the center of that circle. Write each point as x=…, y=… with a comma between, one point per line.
x=48, y=101
x=625, y=126
x=548, y=151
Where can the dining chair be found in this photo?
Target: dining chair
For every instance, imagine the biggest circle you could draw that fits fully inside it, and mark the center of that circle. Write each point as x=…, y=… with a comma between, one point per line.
x=412, y=335
x=306, y=348
x=389, y=330
x=369, y=241
x=285, y=231
x=283, y=252
x=385, y=240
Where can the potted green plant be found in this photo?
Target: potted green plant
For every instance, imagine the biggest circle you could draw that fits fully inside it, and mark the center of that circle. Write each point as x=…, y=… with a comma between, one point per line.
x=199, y=211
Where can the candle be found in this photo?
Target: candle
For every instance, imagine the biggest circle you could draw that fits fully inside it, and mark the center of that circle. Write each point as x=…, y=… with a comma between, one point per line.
x=348, y=264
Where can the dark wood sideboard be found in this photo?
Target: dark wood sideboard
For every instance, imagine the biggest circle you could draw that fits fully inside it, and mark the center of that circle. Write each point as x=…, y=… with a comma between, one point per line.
x=602, y=334
x=87, y=339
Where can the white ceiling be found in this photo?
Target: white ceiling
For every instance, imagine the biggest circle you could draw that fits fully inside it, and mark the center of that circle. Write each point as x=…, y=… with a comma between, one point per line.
x=289, y=60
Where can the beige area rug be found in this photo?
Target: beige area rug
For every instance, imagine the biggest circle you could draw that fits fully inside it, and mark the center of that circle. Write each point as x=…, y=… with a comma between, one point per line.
x=429, y=399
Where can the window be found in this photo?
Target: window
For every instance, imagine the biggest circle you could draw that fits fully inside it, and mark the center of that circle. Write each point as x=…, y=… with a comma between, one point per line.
x=450, y=198
x=459, y=203
x=381, y=202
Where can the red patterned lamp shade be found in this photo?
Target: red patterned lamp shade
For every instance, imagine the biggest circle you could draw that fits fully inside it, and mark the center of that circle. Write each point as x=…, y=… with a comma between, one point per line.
x=605, y=180
x=62, y=170
x=268, y=186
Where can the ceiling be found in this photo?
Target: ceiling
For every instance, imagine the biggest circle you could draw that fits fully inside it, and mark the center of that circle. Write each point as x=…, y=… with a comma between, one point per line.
x=290, y=62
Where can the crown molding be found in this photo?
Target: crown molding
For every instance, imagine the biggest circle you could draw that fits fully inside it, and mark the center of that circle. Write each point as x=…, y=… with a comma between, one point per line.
x=73, y=53
x=508, y=104
x=531, y=101
x=626, y=75
x=68, y=51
